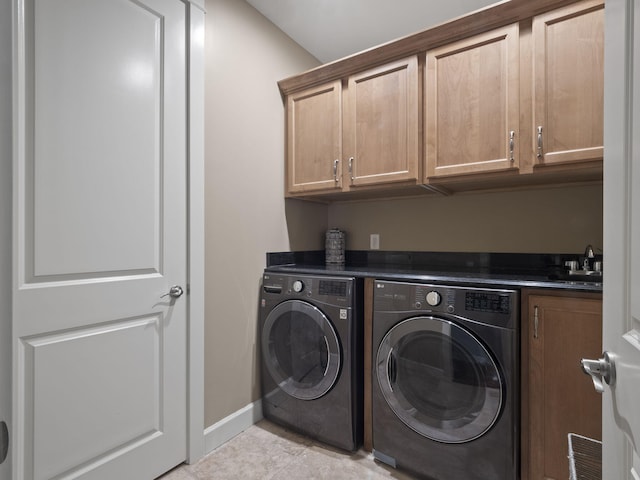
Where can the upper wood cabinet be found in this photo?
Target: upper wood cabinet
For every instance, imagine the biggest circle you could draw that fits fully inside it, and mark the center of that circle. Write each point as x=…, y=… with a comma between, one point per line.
x=381, y=126
x=557, y=397
x=472, y=105
x=363, y=135
x=461, y=106
x=314, y=139
x=568, y=90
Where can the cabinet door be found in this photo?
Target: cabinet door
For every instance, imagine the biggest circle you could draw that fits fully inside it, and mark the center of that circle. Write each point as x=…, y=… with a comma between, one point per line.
x=471, y=105
x=568, y=91
x=381, y=124
x=314, y=139
x=562, y=400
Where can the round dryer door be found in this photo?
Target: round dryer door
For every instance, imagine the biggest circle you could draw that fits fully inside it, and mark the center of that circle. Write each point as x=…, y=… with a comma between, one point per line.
x=301, y=349
x=439, y=379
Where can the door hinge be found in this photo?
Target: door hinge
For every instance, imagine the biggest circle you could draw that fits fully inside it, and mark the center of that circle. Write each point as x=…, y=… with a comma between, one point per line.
x=4, y=441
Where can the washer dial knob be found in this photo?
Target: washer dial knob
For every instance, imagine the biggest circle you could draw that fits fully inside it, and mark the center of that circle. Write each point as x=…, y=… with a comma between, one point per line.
x=433, y=298
x=298, y=286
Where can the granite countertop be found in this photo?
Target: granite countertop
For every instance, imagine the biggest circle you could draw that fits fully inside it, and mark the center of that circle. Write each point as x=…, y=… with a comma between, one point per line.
x=480, y=269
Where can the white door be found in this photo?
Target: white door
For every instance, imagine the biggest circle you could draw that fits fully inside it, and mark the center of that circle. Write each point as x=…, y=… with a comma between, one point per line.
x=621, y=336
x=99, y=236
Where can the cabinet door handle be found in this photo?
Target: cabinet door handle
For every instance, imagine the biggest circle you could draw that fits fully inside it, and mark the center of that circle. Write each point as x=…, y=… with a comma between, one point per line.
x=335, y=170
x=351, y=168
x=512, y=144
x=539, y=141
x=535, y=322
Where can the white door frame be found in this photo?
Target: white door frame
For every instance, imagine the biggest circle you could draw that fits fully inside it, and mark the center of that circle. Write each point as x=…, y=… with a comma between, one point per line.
x=195, y=308
x=5, y=224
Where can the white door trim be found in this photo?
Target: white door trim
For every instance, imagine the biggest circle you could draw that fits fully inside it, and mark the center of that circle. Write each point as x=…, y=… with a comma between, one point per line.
x=195, y=308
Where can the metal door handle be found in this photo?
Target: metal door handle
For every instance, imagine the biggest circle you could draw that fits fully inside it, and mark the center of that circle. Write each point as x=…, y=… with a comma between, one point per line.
x=351, y=168
x=601, y=369
x=512, y=144
x=539, y=155
x=174, y=292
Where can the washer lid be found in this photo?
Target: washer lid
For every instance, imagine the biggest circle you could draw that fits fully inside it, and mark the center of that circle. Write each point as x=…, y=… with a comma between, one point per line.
x=301, y=349
x=439, y=379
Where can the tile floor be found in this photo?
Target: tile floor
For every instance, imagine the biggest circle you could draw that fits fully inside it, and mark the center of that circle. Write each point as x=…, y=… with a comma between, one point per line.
x=266, y=451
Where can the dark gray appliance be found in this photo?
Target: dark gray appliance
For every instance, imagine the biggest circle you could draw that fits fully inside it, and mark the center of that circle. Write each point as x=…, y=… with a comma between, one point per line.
x=311, y=340
x=445, y=386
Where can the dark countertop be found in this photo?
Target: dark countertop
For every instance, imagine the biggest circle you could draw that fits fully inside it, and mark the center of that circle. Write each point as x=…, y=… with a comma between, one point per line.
x=497, y=270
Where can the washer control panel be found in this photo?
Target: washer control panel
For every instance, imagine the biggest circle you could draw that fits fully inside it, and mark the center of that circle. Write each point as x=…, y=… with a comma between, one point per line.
x=487, y=305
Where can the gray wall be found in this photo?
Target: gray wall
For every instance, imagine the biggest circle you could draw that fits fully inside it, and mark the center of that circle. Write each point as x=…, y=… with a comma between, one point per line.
x=5, y=220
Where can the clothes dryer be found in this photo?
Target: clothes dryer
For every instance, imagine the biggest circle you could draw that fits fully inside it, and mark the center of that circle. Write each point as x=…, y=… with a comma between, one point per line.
x=311, y=341
x=445, y=387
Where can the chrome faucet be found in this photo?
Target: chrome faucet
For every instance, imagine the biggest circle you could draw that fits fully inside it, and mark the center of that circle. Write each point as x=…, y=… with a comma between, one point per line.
x=588, y=262
x=588, y=255
x=588, y=252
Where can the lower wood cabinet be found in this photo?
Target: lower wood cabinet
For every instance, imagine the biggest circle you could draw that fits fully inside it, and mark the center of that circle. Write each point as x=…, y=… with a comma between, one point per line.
x=557, y=330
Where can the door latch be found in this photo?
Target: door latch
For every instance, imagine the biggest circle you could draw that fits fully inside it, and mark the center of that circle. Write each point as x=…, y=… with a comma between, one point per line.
x=600, y=370
x=174, y=292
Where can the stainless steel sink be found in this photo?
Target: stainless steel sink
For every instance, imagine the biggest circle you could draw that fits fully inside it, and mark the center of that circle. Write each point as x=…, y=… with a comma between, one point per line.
x=578, y=276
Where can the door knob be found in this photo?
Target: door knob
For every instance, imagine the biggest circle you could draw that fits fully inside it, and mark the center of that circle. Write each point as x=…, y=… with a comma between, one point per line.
x=174, y=292
x=601, y=369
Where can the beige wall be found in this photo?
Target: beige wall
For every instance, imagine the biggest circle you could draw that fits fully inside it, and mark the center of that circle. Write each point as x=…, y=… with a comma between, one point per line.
x=558, y=220
x=245, y=208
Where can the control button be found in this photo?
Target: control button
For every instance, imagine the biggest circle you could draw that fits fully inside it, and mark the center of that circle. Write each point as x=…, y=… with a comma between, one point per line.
x=298, y=286
x=433, y=298
x=418, y=305
x=451, y=309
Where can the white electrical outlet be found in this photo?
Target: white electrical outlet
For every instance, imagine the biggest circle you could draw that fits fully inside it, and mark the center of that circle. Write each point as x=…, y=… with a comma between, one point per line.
x=374, y=241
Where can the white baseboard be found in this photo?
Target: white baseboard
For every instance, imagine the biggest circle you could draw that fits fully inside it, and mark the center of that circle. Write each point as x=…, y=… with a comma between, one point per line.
x=230, y=426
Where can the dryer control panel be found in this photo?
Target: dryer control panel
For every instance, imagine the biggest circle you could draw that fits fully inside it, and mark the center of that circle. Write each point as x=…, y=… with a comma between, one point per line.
x=331, y=290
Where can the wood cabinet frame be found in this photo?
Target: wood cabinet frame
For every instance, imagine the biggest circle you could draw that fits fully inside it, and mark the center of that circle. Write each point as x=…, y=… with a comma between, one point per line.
x=381, y=127
x=534, y=396
x=470, y=110
x=314, y=141
x=562, y=94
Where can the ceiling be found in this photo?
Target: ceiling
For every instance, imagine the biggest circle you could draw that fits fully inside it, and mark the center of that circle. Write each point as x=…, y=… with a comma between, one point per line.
x=332, y=29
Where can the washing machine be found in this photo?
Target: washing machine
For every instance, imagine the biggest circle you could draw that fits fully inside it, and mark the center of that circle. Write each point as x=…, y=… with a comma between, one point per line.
x=312, y=358
x=445, y=380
